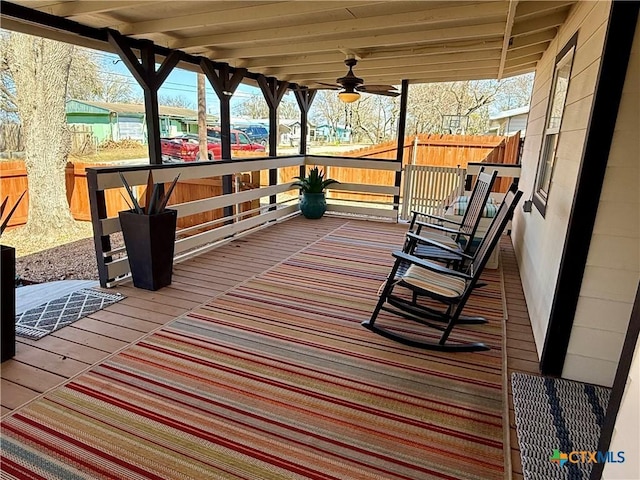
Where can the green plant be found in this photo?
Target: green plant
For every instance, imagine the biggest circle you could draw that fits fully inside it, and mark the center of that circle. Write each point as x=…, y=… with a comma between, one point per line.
x=155, y=202
x=314, y=182
x=5, y=222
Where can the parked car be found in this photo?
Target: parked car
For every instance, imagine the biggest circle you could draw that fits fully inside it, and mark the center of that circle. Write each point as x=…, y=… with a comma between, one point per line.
x=256, y=133
x=239, y=140
x=186, y=147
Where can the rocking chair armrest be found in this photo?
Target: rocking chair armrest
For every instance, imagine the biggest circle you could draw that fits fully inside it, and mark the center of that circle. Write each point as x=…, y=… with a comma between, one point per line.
x=453, y=231
x=415, y=213
x=434, y=267
x=434, y=243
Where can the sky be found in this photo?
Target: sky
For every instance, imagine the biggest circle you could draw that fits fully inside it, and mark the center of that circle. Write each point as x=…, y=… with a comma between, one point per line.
x=179, y=83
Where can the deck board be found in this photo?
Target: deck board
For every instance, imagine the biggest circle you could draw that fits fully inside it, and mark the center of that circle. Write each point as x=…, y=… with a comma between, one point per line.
x=30, y=377
x=51, y=362
x=64, y=347
x=521, y=351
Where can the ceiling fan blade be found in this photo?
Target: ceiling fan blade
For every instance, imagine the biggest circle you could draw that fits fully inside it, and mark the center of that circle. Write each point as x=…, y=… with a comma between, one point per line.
x=324, y=86
x=388, y=90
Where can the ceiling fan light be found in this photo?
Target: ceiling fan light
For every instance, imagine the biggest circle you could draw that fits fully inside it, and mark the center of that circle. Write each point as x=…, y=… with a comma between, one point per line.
x=348, y=97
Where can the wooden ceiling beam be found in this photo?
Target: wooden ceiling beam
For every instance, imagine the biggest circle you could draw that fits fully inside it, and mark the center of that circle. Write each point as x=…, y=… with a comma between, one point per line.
x=538, y=24
x=535, y=38
x=350, y=27
x=477, y=33
x=454, y=76
x=532, y=9
x=511, y=15
x=526, y=51
x=239, y=15
x=386, y=75
x=394, y=63
x=378, y=54
x=77, y=8
x=533, y=58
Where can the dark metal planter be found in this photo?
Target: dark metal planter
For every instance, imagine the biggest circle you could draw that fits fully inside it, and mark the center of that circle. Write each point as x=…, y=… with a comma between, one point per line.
x=149, y=240
x=8, y=302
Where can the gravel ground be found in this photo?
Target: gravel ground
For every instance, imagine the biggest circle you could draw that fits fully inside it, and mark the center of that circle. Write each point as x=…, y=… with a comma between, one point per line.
x=72, y=261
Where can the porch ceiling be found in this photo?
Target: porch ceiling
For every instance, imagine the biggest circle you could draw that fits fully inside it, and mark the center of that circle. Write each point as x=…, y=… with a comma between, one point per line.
x=305, y=42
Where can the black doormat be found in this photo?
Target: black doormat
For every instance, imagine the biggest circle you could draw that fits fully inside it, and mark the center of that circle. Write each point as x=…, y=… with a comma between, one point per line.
x=554, y=418
x=51, y=316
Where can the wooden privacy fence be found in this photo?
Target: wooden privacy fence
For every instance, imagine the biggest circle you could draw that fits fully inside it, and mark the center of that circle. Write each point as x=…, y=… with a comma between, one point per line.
x=446, y=150
x=13, y=181
x=434, y=150
x=83, y=141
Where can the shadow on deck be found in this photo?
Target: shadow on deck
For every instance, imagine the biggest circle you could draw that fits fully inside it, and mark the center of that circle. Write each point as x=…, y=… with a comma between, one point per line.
x=268, y=371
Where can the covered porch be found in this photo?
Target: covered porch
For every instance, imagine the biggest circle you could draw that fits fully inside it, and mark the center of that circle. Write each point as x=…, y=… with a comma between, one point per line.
x=263, y=335
x=575, y=249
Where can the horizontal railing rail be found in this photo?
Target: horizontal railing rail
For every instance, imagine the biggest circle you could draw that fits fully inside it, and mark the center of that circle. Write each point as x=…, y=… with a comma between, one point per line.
x=507, y=173
x=113, y=265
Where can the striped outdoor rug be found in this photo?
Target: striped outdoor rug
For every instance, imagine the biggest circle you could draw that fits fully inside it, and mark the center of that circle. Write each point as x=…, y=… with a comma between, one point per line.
x=276, y=379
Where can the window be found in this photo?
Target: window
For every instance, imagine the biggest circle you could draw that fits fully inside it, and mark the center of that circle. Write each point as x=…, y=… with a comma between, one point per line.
x=559, y=88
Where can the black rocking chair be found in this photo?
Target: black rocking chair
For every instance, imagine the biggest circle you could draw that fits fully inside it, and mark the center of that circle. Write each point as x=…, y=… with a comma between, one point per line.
x=458, y=238
x=445, y=286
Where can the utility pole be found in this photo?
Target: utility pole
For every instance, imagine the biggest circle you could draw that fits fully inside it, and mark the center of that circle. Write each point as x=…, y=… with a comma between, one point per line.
x=202, y=118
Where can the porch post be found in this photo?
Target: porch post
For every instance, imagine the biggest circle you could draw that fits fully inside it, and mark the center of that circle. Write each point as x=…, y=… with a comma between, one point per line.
x=224, y=83
x=305, y=98
x=402, y=125
x=273, y=91
x=144, y=72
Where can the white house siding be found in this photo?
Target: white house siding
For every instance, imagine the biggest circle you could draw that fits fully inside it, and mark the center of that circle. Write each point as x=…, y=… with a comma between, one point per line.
x=625, y=432
x=613, y=265
x=538, y=241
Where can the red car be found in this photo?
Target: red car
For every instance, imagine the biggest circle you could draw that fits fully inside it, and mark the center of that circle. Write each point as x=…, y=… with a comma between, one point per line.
x=186, y=147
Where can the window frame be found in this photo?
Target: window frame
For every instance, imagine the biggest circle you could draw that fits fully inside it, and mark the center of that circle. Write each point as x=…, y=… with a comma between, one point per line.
x=551, y=133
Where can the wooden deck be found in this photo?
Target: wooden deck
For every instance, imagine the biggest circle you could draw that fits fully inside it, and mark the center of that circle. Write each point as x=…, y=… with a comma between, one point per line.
x=42, y=365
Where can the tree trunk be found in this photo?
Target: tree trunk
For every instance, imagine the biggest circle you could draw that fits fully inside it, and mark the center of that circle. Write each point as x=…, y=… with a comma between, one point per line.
x=40, y=70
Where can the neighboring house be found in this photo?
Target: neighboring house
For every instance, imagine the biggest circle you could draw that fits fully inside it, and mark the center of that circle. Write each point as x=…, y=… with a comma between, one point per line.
x=290, y=132
x=329, y=133
x=509, y=122
x=120, y=121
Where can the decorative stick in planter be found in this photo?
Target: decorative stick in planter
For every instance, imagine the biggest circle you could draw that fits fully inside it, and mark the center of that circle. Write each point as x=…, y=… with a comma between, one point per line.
x=149, y=233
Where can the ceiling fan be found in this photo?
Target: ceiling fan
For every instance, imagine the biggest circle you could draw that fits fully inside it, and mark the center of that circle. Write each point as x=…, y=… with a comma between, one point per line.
x=352, y=85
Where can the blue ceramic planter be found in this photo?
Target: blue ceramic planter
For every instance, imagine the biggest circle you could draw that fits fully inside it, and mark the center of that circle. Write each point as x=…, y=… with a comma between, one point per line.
x=313, y=205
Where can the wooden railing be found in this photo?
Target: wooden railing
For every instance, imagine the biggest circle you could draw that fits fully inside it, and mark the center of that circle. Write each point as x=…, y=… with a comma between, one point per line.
x=113, y=265
x=430, y=189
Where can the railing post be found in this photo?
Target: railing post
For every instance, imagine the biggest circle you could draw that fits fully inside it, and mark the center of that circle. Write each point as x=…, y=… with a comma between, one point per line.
x=402, y=122
x=98, y=207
